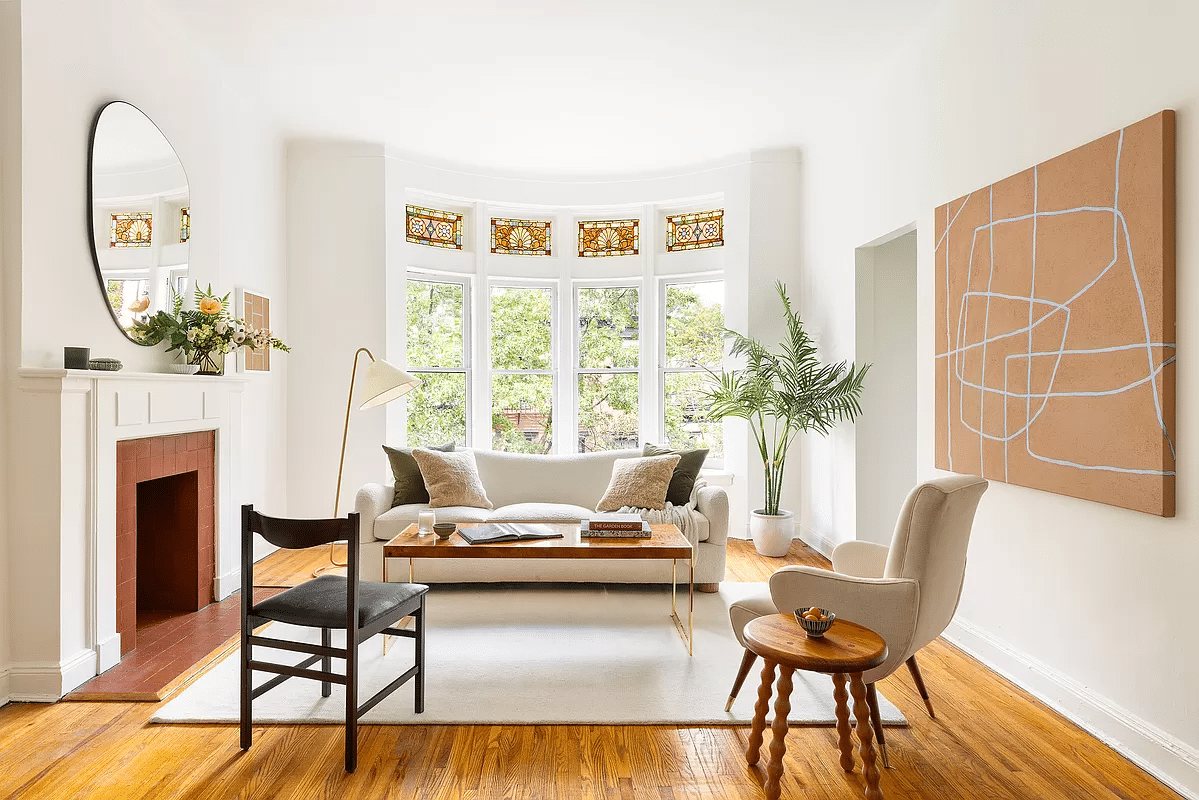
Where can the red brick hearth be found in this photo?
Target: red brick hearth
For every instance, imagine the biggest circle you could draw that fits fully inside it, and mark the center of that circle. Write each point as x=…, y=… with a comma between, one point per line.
x=165, y=527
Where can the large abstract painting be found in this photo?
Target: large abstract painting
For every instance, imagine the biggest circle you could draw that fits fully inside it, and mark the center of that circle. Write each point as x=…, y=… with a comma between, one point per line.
x=1055, y=344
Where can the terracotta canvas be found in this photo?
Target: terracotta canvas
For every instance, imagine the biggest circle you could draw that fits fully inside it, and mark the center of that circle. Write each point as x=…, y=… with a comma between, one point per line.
x=257, y=312
x=1055, y=334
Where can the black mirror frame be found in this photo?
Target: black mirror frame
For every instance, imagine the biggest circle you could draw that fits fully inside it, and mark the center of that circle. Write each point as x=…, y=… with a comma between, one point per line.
x=91, y=215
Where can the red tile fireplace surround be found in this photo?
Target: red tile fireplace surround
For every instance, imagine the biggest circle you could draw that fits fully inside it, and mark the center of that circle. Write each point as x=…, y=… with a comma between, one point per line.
x=165, y=527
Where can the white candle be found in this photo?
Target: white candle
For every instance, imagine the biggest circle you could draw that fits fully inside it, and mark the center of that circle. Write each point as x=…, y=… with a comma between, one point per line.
x=424, y=521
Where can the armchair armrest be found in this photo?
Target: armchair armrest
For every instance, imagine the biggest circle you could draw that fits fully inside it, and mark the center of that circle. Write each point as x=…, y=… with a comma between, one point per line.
x=886, y=606
x=372, y=500
x=713, y=503
x=861, y=559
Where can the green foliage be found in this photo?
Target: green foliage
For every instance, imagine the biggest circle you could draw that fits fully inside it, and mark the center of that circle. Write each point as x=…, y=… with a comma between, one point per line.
x=783, y=393
x=116, y=294
x=694, y=338
x=207, y=328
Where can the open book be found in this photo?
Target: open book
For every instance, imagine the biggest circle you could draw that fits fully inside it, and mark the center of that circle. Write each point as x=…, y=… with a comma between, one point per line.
x=507, y=532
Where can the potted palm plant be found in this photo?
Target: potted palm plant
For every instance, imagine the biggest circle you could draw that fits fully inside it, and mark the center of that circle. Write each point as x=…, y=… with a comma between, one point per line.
x=781, y=394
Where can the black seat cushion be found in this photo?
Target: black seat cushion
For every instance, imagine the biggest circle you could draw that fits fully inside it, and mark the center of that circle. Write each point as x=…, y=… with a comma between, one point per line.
x=321, y=602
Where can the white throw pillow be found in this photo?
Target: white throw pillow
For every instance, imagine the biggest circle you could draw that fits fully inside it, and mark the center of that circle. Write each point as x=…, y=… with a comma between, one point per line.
x=451, y=478
x=638, y=482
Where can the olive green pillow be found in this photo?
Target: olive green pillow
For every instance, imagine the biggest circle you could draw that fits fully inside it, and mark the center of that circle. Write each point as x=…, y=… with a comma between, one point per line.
x=409, y=485
x=682, y=482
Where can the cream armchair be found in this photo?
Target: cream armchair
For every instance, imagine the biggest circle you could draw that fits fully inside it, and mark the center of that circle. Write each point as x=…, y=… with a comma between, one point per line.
x=907, y=593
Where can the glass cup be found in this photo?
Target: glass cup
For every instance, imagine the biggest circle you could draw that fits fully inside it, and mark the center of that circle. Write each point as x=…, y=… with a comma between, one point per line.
x=424, y=523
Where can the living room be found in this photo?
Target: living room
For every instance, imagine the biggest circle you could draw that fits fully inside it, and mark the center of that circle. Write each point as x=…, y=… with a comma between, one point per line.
x=828, y=137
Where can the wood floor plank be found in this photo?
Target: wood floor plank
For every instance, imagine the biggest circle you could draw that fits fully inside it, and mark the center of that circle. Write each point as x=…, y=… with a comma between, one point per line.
x=990, y=741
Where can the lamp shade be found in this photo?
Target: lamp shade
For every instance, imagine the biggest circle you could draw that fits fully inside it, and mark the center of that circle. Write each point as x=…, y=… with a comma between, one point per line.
x=385, y=382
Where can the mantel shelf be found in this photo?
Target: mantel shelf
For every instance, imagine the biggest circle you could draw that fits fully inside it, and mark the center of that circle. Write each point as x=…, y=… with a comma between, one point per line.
x=54, y=373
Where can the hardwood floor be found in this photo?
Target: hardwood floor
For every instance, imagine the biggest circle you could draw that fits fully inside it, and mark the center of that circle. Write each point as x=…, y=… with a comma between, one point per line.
x=990, y=740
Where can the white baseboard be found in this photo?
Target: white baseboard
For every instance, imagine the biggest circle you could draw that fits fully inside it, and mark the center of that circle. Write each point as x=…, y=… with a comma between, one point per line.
x=227, y=584
x=819, y=543
x=47, y=682
x=108, y=653
x=1159, y=753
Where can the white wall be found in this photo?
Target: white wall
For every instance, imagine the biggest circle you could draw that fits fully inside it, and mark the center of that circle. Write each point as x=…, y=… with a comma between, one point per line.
x=989, y=89
x=885, y=433
x=10, y=239
x=233, y=160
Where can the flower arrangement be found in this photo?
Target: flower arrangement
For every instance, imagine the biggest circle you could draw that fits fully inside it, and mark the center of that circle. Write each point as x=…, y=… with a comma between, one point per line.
x=206, y=333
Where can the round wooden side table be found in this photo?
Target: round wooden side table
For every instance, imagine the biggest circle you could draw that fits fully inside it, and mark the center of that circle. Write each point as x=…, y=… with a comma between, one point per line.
x=847, y=648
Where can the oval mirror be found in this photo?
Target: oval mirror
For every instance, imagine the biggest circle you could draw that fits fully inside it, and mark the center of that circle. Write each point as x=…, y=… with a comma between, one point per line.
x=140, y=215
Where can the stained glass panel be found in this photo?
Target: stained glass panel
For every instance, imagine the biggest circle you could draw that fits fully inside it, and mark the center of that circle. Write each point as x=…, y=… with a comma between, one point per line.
x=520, y=237
x=695, y=231
x=185, y=224
x=609, y=237
x=434, y=228
x=131, y=230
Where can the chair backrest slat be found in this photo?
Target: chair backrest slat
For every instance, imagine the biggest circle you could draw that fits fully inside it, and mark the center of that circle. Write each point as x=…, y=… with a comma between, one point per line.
x=298, y=534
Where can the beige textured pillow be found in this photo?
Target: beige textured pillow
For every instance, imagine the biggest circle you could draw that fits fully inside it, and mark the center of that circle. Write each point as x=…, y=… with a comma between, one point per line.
x=638, y=482
x=451, y=478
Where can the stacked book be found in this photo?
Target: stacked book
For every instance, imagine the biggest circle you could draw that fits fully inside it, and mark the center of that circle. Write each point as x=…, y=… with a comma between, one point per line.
x=615, y=526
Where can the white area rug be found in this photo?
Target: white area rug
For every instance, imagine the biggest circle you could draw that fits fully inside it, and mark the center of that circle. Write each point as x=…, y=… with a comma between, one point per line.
x=521, y=654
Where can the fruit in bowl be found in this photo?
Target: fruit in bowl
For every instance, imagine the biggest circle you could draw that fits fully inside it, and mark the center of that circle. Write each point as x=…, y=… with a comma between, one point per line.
x=814, y=620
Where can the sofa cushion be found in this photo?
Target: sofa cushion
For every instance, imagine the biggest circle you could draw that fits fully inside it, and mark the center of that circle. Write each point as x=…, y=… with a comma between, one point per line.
x=394, y=520
x=522, y=478
x=638, y=482
x=451, y=478
x=683, y=479
x=540, y=512
x=409, y=485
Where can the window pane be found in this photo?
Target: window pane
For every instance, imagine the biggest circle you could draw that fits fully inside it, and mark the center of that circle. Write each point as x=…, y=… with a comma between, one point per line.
x=521, y=327
x=437, y=409
x=695, y=324
x=607, y=412
x=608, y=334
x=434, y=324
x=520, y=413
x=687, y=424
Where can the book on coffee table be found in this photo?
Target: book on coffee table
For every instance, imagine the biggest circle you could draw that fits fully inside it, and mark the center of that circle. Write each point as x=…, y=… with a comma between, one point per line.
x=588, y=530
x=507, y=532
x=615, y=521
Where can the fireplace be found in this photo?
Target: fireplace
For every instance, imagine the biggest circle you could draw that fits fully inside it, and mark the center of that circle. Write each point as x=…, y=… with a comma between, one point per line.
x=165, y=524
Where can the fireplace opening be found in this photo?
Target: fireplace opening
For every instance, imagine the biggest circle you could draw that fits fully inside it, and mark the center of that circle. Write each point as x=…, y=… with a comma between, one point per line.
x=168, y=550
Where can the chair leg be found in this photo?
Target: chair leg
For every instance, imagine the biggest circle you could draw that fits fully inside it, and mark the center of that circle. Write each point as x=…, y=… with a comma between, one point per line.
x=247, y=696
x=351, y=700
x=915, y=670
x=326, y=663
x=420, y=658
x=747, y=662
x=876, y=722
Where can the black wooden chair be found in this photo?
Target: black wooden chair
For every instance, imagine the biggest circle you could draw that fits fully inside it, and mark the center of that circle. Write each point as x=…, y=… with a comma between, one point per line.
x=362, y=609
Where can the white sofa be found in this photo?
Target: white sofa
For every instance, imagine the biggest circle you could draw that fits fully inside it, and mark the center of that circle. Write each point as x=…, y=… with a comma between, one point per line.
x=529, y=488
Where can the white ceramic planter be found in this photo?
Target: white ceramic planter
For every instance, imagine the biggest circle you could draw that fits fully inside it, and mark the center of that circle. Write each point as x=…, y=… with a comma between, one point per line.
x=772, y=534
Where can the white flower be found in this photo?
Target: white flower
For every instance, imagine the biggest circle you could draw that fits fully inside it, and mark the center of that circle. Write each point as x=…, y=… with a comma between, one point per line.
x=191, y=335
x=222, y=326
x=239, y=337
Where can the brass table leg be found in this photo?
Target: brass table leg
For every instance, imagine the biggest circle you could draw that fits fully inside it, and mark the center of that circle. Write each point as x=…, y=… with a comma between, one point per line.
x=386, y=638
x=688, y=632
x=861, y=710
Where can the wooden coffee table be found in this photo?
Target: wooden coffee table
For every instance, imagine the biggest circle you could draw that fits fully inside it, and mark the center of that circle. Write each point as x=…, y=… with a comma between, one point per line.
x=666, y=542
x=845, y=648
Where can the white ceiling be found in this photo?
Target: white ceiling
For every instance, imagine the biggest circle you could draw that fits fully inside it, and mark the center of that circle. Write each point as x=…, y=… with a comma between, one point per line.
x=552, y=85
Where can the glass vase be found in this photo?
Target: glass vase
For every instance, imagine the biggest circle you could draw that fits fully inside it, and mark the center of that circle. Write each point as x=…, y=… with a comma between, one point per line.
x=210, y=363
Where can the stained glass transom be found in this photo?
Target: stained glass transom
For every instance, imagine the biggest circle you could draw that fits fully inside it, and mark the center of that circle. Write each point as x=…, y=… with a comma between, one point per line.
x=131, y=230
x=610, y=237
x=185, y=224
x=520, y=237
x=434, y=228
x=695, y=231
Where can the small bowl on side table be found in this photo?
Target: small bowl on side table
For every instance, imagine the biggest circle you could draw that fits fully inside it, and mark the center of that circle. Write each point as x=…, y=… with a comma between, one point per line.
x=815, y=628
x=444, y=530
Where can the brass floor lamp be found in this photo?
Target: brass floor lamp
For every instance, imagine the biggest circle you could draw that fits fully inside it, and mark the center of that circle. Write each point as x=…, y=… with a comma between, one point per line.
x=381, y=383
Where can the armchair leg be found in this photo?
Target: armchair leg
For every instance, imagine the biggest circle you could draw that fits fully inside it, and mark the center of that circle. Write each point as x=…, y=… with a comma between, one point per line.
x=919, y=681
x=876, y=722
x=747, y=661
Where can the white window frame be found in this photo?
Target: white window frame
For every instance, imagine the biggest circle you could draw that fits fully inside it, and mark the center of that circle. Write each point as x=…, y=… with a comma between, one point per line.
x=664, y=281
x=637, y=283
x=430, y=276
x=555, y=352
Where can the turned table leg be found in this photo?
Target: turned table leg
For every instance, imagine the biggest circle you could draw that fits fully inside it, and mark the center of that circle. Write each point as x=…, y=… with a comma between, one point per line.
x=844, y=736
x=763, y=705
x=861, y=710
x=778, y=744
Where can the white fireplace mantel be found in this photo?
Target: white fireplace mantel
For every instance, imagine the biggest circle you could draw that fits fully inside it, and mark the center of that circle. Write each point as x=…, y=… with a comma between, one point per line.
x=62, y=582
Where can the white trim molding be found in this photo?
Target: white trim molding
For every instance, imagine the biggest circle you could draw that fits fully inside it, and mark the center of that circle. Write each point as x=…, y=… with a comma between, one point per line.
x=47, y=681
x=1165, y=757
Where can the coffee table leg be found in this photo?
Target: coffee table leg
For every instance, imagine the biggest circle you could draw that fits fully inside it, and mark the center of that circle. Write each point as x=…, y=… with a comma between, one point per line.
x=386, y=638
x=861, y=710
x=844, y=736
x=778, y=744
x=691, y=607
x=763, y=705
x=687, y=632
